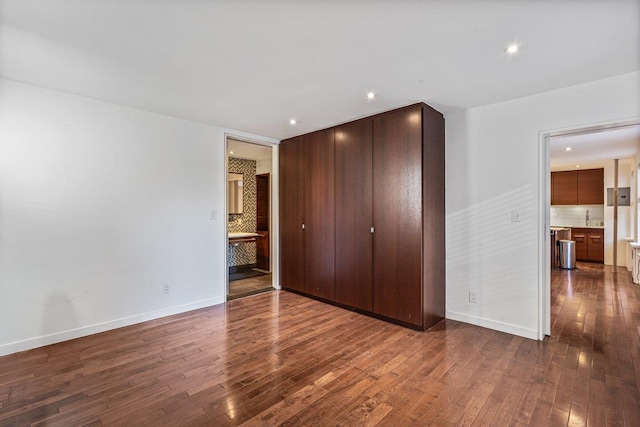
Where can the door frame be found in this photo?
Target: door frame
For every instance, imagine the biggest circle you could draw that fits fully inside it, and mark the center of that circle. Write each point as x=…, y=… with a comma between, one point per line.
x=274, y=232
x=544, y=205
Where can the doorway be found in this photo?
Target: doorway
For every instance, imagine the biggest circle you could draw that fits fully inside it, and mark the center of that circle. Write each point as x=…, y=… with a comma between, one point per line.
x=249, y=218
x=588, y=148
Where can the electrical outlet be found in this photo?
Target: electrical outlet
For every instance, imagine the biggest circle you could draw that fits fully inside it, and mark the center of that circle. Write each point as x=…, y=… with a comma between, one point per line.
x=166, y=289
x=473, y=297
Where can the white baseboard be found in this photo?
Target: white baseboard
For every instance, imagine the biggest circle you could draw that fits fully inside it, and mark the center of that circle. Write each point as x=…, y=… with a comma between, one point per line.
x=84, y=331
x=492, y=324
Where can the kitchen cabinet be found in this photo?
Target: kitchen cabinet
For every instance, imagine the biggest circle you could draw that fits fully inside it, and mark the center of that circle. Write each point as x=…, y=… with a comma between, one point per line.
x=591, y=187
x=589, y=244
x=354, y=211
x=291, y=186
x=578, y=187
x=565, y=188
x=373, y=215
x=319, y=237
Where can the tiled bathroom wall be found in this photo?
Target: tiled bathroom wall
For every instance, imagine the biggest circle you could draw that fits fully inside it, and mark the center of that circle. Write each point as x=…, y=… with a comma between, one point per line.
x=244, y=253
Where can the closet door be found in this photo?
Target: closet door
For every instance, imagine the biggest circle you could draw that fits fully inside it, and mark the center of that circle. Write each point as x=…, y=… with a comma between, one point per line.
x=397, y=215
x=354, y=214
x=319, y=241
x=291, y=162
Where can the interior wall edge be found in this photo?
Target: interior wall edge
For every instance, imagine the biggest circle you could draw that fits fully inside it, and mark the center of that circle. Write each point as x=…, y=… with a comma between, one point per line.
x=493, y=324
x=58, y=337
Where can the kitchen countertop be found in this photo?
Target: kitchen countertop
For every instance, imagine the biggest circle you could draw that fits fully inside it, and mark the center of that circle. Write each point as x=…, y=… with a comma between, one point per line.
x=561, y=227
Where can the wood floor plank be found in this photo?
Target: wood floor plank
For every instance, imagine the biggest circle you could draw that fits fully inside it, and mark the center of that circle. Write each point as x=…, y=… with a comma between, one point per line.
x=282, y=359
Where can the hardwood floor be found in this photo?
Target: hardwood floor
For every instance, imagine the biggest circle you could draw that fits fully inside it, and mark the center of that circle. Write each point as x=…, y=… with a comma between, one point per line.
x=250, y=286
x=282, y=359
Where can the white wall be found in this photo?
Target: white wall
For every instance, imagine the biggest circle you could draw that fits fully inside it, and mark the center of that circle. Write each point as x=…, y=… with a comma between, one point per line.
x=492, y=168
x=264, y=166
x=100, y=205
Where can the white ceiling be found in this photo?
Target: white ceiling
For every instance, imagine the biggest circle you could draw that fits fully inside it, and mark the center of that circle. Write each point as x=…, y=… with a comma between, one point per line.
x=253, y=65
x=594, y=149
x=246, y=150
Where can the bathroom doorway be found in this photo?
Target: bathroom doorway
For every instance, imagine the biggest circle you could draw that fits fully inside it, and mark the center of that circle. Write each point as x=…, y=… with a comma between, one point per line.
x=249, y=218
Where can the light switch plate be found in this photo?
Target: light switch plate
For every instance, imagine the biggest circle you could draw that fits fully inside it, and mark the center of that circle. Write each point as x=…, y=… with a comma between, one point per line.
x=515, y=216
x=473, y=297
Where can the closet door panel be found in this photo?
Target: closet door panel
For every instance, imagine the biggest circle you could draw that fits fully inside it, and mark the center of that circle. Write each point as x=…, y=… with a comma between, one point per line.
x=397, y=214
x=354, y=214
x=319, y=232
x=291, y=162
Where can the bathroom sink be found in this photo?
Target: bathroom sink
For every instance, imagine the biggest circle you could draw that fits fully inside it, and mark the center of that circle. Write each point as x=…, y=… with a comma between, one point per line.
x=240, y=235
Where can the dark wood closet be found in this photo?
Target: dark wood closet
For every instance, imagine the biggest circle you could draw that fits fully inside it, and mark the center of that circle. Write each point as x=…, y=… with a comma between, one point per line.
x=363, y=224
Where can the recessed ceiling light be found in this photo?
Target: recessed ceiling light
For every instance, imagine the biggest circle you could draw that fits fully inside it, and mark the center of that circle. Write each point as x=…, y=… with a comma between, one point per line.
x=568, y=148
x=512, y=49
x=371, y=95
x=292, y=122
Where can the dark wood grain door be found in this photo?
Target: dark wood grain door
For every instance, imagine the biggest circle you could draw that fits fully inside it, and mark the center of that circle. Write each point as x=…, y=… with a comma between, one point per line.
x=591, y=187
x=397, y=214
x=565, y=188
x=291, y=184
x=354, y=214
x=581, y=237
x=319, y=232
x=596, y=245
x=262, y=251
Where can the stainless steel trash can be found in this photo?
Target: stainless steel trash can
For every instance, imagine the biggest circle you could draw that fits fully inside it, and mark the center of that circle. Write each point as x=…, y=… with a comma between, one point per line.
x=567, y=254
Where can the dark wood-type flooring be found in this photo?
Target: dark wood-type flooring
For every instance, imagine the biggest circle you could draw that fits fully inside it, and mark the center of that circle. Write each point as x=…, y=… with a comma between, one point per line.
x=281, y=359
x=251, y=286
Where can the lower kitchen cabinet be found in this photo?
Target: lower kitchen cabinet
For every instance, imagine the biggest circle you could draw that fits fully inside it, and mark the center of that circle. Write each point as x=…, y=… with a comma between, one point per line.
x=589, y=244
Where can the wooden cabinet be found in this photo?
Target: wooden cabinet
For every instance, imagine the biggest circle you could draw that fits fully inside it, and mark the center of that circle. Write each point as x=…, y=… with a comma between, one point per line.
x=579, y=187
x=319, y=241
x=595, y=246
x=262, y=251
x=397, y=207
x=291, y=184
x=354, y=213
x=565, y=188
x=591, y=187
x=589, y=244
x=581, y=237
x=373, y=214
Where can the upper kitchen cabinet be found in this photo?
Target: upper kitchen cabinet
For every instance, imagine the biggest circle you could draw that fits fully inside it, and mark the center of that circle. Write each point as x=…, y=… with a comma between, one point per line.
x=565, y=188
x=582, y=187
x=591, y=187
